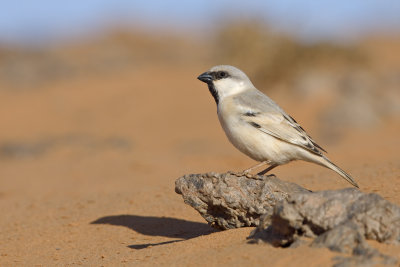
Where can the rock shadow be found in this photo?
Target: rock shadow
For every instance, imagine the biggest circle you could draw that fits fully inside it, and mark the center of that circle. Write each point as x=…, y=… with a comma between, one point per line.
x=158, y=226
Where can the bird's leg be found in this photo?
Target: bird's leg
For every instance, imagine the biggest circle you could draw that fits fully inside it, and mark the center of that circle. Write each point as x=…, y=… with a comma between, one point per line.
x=255, y=167
x=267, y=169
x=247, y=171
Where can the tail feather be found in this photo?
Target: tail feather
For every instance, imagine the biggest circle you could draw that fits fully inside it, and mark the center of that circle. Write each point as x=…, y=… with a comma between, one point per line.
x=330, y=165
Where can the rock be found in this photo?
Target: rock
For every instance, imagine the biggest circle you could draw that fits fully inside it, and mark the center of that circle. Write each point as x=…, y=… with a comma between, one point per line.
x=340, y=220
x=230, y=200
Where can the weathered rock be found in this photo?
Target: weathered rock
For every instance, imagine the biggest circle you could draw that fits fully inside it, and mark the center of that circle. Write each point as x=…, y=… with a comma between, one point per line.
x=334, y=215
x=341, y=220
x=230, y=201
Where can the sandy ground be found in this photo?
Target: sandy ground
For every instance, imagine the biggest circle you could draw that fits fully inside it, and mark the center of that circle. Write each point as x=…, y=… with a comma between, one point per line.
x=87, y=172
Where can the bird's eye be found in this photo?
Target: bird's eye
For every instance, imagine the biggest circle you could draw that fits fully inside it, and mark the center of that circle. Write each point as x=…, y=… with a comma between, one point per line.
x=222, y=74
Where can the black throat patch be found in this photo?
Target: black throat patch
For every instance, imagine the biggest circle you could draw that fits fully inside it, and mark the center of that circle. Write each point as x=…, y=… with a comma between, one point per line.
x=213, y=92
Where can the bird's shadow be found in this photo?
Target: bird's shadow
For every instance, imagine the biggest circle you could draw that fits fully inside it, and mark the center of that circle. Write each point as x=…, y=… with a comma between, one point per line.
x=158, y=226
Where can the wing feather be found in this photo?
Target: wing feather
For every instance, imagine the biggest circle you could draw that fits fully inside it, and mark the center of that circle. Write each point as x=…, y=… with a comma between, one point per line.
x=265, y=115
x=283, y=127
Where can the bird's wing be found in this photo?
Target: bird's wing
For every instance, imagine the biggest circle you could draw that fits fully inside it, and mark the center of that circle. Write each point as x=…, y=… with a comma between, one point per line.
x=283, y=127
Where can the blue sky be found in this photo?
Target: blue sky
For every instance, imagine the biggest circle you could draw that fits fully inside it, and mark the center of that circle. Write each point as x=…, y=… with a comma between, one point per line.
x=41, y=20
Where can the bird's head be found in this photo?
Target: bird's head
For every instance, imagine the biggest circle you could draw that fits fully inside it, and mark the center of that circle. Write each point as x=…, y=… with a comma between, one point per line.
x=225, y=80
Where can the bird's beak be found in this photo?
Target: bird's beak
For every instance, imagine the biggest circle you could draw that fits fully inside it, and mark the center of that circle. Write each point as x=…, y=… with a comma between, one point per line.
x=205, y=77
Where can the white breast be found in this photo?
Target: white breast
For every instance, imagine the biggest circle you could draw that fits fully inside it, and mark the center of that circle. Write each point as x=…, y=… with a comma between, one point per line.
x=251, y=141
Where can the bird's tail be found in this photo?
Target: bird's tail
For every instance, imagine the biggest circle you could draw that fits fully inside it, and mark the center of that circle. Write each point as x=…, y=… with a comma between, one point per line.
x=324, y=161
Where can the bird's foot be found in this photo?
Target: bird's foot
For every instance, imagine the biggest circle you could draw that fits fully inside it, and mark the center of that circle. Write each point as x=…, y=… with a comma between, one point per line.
x=245, y=173
x=238, y=174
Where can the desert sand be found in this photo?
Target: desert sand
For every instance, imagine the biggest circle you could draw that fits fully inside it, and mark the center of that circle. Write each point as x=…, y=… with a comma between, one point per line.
x=88, y=165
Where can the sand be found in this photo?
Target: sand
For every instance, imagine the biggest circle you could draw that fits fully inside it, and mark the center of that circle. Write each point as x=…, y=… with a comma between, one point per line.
x=87, y=172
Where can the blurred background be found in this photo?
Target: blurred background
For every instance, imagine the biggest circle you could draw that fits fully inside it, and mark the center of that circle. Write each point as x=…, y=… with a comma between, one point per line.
x=102, y=87
x=100, y=112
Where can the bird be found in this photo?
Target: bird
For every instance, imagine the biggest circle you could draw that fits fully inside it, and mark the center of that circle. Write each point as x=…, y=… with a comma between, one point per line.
x=258, y=127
